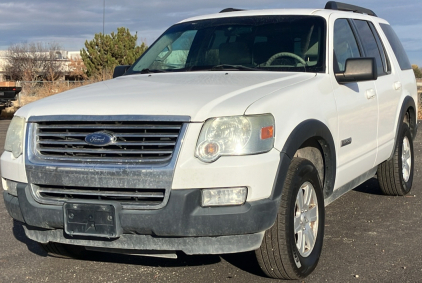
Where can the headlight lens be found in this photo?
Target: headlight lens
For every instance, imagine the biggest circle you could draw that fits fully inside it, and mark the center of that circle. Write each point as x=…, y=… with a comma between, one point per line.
x=14, y=136
x=236, y=135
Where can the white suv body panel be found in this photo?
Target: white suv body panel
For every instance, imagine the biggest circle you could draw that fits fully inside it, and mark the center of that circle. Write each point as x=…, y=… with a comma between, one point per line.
x=200, y=95
x=13, y=168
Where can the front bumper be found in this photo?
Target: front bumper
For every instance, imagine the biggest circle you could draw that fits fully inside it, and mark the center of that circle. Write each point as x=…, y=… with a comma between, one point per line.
x=181, y=225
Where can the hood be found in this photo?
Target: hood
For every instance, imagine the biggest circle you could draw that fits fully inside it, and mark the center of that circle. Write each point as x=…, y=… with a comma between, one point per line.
x=200, y=95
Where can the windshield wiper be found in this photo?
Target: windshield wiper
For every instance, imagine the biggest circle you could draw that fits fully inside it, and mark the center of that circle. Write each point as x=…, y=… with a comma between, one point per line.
x=225, y=67
x=148, y=71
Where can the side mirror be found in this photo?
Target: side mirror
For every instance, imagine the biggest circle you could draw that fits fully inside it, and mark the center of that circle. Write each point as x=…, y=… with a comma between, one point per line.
x=120, y=70
x=358, y=70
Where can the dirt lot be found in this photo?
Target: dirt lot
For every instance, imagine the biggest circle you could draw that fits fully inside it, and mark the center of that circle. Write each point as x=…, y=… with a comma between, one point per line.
x=369, y=237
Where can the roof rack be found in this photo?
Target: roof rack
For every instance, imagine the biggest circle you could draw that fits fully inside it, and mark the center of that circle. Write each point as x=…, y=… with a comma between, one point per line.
x=231, y=10
x=347, y=7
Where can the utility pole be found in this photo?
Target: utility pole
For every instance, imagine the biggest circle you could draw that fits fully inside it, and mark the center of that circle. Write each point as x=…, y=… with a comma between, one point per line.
x=103, y=15
x=102, y=40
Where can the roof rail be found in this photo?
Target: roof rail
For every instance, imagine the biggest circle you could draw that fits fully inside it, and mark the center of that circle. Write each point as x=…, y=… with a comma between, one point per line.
x=333, y=5
x=231, y=10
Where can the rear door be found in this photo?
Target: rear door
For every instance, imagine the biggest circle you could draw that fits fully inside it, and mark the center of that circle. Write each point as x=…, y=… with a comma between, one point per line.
x=388, y=87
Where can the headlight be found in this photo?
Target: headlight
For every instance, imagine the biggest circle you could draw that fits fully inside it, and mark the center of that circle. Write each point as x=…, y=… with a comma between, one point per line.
x=14, y=136
x=237, y=135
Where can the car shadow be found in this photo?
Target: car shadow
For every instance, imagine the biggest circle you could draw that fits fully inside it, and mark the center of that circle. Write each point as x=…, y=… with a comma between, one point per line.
x=246, y=262
x=181, y=261
x=19, y=234
x=370, y=187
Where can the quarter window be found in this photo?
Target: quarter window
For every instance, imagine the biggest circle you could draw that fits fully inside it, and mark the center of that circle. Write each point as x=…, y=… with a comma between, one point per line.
x=397, y=47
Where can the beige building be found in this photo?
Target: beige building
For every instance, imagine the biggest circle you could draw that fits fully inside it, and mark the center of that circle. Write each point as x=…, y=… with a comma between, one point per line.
x=61, y=55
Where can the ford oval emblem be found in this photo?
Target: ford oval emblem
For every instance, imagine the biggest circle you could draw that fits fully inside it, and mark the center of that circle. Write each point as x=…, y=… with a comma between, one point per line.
x=100, y=139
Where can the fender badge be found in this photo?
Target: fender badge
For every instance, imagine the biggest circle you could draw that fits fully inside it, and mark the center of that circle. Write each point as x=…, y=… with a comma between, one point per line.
x=346, y=142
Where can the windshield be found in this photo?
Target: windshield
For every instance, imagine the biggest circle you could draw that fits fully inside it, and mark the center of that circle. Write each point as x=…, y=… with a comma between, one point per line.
x=271, y=43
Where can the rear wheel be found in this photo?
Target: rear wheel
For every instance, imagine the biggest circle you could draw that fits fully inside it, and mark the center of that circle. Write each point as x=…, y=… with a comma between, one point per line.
x=395, y=176
x=63, y=250
x=292, y=247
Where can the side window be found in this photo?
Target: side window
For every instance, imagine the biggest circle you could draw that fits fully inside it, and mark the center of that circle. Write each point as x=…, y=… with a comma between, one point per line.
x=345, y=45
x=385, y=59
x=370, y=44
x=397, y=47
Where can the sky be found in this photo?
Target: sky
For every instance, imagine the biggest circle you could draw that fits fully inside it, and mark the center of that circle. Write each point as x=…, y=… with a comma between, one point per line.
x=70, y=23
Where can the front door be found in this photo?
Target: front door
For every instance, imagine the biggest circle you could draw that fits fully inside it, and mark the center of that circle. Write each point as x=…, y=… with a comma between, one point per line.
x=357, y=108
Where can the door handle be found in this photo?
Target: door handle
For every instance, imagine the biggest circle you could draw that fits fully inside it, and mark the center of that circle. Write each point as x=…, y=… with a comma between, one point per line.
x=370, y=93
x=397, y=85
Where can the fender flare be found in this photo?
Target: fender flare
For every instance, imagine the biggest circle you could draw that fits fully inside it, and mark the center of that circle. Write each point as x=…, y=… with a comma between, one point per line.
x=408, y=103
x=304, y=131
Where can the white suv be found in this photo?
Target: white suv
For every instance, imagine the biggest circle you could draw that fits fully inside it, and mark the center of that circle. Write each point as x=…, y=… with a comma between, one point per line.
x=231, y=133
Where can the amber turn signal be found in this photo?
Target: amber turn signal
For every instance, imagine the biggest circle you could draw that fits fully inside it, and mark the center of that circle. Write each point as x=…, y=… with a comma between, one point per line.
x=267, y=132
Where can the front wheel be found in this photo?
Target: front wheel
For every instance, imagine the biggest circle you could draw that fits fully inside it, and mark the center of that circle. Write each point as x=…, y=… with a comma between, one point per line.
x=395, y=176
x=292, y=247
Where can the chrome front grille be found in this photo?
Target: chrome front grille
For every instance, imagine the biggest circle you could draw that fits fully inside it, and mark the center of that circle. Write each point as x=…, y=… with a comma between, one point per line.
x=134, y=142
x=128, y=197
x=135, y=167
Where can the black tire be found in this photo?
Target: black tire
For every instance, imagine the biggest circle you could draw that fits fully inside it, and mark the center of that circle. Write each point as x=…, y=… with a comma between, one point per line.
x=63, y=250
x=278, y=255
x=390, y=173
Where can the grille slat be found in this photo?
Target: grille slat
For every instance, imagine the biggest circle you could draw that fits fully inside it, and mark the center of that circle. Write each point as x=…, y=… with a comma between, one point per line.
x=132, y=142
x=104, y=151
x=111, y=127
x=99, y=193
x=102, y=159
x=118, y=135
x=78, y=142
x=129, y=198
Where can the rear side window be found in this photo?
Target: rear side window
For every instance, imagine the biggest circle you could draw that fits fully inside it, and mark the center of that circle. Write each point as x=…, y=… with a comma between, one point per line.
x=397, y=47
x=370, y=45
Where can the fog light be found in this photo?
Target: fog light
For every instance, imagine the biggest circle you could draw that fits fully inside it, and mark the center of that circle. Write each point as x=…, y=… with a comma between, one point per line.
x=224, y=196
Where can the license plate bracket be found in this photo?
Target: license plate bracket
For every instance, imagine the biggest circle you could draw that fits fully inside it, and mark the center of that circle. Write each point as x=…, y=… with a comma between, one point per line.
x=87, y=219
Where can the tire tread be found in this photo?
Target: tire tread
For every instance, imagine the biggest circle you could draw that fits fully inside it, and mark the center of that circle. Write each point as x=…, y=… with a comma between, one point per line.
x=389, y=172
x=273, y=256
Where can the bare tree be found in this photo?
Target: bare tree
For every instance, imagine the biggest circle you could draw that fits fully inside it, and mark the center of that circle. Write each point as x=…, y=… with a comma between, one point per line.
x=34, y=61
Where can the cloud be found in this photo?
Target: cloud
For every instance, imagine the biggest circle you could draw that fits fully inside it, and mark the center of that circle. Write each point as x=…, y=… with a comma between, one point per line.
x=70, y=23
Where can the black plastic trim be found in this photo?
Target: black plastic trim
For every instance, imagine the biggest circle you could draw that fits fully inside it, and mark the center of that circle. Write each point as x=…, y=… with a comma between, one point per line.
x=309, y=129
x=12, y=206
x=120, y=70
x=408, y=103
x=144, y=244
x=358, y=70
x=228, y=10
x=182, y=217
x=333, y=5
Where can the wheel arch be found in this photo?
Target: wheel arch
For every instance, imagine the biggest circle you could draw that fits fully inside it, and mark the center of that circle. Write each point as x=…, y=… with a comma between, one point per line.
x=308, y=135
x=408, y=112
